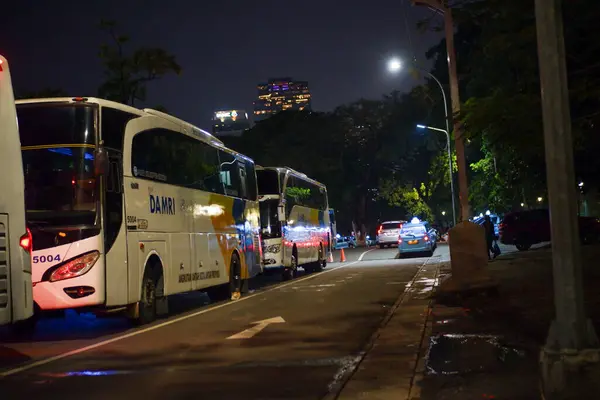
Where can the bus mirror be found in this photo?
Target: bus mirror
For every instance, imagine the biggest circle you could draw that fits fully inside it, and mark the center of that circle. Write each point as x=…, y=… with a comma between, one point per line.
x=100, y=161
x=281, y=212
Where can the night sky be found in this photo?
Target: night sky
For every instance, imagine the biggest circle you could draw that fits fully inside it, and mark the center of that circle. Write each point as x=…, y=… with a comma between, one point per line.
x=224, y=47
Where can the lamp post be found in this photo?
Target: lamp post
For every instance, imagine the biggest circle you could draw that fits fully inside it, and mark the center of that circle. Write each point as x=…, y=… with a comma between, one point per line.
x=441, y=7
x=449, y=163
x=394, y=65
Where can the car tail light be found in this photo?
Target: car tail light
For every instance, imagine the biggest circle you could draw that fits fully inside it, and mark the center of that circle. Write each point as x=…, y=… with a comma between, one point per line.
x=399, y=240
x=75, y=267
x=380, y=229
x=426, y=238
x=26, y=241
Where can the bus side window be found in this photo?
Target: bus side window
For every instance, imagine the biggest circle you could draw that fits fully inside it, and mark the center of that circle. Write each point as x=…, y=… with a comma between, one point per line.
x=230, y=177
x=251, y=188
x=242, y=173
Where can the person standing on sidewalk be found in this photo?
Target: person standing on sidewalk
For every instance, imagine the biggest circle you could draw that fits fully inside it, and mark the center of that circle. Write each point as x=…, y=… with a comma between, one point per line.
x=490, y=235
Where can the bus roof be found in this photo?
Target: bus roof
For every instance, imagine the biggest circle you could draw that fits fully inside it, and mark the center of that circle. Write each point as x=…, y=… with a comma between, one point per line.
x=189, y=129
x=293, y=171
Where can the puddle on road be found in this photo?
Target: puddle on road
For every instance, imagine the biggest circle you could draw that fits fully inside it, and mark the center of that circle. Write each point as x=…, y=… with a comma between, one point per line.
x=452, y=354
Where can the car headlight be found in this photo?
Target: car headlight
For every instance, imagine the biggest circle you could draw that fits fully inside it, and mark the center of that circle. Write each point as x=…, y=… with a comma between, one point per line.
x=75, y=267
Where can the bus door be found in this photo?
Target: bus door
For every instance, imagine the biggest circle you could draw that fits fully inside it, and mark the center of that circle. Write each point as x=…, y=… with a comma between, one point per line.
x=15, y=240
x=248, y=243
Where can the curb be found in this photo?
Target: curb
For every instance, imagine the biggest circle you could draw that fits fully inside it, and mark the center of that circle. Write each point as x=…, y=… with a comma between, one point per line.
x=337, y=387
x=414, y=391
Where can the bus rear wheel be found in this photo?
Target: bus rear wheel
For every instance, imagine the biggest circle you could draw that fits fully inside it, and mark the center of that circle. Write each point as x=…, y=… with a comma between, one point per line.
x=321, y=262
x=290, y=272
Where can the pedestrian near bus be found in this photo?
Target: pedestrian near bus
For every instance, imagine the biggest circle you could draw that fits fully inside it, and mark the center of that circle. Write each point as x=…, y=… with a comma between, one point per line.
x=490, y=235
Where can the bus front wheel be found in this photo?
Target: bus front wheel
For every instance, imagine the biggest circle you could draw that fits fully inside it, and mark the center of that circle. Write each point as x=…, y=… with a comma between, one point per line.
x=148, y=299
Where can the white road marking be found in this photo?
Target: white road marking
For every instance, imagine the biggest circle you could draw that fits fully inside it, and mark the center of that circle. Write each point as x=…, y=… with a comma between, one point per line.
x=74, y=352
x=364, y=254
x=257, y=328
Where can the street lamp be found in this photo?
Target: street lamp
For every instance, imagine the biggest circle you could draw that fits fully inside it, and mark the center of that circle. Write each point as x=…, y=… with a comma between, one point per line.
x=443, y=212
x=449, y=162
x=394, y=65
x=539, y=199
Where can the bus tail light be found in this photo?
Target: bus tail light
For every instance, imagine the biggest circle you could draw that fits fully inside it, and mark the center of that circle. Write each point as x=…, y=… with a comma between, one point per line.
x=75, y=267
x=26, y=241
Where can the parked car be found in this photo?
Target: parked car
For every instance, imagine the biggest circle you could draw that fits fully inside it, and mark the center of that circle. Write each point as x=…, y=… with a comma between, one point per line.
x=417, y=236
x=387, y=234
x=526, y=228
x=344, y=242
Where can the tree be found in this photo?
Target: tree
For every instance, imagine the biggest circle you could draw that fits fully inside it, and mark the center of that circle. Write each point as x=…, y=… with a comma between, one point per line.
x=127, y=76
x=498, y=72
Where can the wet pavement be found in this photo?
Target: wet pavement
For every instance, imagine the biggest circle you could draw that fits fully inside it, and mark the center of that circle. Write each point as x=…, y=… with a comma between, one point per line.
x=324, y=322
x=481, y=344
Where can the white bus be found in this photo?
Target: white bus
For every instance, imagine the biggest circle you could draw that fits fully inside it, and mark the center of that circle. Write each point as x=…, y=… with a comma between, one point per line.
x=294, y=218
x=128, y=206
x=15, y=241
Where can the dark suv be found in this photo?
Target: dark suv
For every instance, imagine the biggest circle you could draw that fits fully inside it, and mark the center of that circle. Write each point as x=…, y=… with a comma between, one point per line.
x=526, y=228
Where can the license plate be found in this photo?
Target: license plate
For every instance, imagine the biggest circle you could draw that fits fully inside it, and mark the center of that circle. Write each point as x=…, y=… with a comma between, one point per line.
x=413, y=241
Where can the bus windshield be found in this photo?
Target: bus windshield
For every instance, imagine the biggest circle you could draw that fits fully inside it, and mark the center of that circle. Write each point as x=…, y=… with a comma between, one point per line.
x=268, y=181
x=58, y=163
x=269, y=221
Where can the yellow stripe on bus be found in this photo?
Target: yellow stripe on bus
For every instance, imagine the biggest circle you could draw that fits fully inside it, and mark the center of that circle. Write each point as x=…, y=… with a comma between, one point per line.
x=56, y=146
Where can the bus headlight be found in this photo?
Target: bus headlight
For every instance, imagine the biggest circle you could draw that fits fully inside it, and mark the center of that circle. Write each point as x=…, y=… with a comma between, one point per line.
x=75, y=267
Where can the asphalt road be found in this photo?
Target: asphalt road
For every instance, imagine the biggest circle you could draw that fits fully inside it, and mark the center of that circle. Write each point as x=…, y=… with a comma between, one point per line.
x=316, y=327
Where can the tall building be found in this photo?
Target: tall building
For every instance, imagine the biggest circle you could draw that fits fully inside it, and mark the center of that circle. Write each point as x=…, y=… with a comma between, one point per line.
x=230, y=122
x=281, y=94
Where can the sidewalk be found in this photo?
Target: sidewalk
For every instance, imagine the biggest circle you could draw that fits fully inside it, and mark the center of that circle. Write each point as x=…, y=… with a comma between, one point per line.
x=477, y=347
x=487, y=347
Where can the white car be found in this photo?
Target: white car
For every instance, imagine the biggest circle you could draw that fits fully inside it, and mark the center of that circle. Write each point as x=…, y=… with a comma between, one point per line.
x=388, y=233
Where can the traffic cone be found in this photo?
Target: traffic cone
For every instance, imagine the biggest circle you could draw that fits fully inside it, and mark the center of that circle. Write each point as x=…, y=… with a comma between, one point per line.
x=342, y=256
x=330, y=259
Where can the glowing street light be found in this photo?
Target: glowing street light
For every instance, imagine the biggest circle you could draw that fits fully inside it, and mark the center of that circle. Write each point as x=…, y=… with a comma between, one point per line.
x=443, y=212
x=539, y=199
x=394, y=65
x=580, y=184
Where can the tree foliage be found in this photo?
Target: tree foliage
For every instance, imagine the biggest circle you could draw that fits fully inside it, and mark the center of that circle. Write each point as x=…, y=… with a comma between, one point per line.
x=362, y=151
x=128, y=74
x=499, y=81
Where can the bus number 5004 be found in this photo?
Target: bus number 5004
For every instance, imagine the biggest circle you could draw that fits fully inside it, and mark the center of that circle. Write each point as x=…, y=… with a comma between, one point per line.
x=44, y=259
